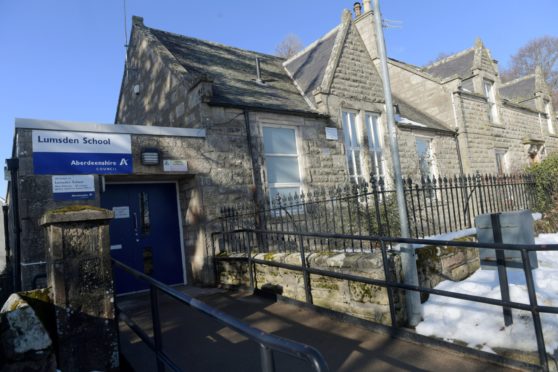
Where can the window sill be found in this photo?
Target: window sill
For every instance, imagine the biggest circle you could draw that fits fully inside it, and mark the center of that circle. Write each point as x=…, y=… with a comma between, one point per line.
x=498, y=125
x=555, y=135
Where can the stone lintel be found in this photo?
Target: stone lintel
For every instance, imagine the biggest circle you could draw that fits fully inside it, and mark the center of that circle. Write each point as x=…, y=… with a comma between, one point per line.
x=76, y=213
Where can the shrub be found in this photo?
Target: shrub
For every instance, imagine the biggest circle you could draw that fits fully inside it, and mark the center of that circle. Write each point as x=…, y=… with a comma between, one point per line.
x=545, y=175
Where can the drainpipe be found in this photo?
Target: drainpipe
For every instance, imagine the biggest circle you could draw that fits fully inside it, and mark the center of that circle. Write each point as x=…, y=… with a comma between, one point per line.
x=13, y=167
x=6, y=232
x=256, y=180
x=458, y=151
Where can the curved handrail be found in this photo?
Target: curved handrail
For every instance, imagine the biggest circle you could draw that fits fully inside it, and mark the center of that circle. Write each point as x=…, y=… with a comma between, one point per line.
x=267, y=340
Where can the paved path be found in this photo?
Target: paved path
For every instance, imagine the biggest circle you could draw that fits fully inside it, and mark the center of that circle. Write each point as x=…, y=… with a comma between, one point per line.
x=198, y=343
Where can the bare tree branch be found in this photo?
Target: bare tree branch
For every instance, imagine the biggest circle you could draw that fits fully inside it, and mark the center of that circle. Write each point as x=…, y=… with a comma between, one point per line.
x=542, y=52
x=290, y=46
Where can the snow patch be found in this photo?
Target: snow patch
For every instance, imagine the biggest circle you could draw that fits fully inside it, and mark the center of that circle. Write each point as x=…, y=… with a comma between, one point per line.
x=482, y=326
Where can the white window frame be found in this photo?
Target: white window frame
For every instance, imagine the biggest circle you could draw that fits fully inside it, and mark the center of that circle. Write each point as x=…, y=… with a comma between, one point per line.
x=489, y=93
x=375, y=133
x=503, y=163
x=433, y=164
x=282, y=185
x=350, y=149
x=549, y=117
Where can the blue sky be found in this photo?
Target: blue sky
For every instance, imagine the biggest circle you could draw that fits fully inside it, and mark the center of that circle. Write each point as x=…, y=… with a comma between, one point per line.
x=63, y=59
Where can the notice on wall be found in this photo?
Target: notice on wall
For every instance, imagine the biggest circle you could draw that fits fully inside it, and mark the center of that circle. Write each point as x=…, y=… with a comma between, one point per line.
x=121, y=212
x=331, y=134
x=73, y=187
x=81, y=153
x=175, y=165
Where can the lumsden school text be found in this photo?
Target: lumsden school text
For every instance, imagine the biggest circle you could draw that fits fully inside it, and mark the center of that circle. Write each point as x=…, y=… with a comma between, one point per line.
x=84, y=140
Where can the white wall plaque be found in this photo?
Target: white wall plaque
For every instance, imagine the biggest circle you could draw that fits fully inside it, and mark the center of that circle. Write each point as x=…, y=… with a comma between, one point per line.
x=73, y=187
x=121, y=212
x=176, y=165
x=116, y=246
x=331, y=134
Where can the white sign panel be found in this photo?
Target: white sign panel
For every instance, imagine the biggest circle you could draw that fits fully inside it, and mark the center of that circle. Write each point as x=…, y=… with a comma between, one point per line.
x=175, y=165
x=81, y=153
x=331, y=134
x=81, y=142
x=121, y=212
x=74, y=187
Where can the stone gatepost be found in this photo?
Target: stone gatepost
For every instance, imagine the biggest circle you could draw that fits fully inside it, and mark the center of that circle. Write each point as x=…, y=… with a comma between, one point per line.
x=80, y=278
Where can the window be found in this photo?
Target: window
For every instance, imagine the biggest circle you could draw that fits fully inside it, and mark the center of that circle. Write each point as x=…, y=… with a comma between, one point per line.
x=491, y=98
x=375, y=144
x=501, y=161
x=425, y=157
x=352, y=145
x=548, y=112
x=281, y=157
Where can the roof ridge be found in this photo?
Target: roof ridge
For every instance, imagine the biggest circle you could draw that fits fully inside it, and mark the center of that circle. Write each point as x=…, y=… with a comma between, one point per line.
x=214, y=43
x=517, y=80
x=450, y=58
x=312, y=45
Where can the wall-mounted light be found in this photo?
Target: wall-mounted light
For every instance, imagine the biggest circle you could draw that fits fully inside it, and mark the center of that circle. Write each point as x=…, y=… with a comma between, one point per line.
x=150, y=157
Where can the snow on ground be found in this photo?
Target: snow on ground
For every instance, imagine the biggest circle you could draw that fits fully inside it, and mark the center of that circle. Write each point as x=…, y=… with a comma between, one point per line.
x=481, y=325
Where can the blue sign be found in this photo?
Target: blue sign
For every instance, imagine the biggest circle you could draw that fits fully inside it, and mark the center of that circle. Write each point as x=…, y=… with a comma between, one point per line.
x=81, y=153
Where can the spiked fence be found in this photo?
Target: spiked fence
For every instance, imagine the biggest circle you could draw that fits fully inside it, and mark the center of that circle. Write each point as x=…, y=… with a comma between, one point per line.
x=434, y=206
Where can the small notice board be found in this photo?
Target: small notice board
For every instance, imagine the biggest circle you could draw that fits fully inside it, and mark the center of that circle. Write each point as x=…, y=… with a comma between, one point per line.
x=73, y=187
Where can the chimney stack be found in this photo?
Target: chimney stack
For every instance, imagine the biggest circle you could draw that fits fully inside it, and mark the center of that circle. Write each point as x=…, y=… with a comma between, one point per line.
x=357, y=9
x=367, y=6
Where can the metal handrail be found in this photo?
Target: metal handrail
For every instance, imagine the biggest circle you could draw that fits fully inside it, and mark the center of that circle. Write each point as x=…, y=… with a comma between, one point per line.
x=268, y=342
x=532, y=306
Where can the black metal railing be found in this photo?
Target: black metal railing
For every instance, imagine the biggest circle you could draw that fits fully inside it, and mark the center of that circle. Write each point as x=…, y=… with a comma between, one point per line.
x=246, y=241
x=268, y=342
x=434, y=206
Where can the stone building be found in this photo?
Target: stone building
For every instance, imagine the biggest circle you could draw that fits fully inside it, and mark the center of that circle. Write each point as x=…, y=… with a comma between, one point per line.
x=2, y=237
x=205, y=125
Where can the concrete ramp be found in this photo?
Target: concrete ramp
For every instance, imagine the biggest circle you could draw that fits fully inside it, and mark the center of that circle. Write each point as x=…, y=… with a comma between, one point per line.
x=198, y=343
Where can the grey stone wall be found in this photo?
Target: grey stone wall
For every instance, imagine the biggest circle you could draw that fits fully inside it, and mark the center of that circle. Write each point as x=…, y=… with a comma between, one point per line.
x=422, y=91
x=446, y=160
x=354, y=298
x=2, y=239
x=476, y=133
x=434, y=264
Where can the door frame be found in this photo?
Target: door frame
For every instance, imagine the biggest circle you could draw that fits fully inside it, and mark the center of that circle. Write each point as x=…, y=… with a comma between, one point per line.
x=180, y=227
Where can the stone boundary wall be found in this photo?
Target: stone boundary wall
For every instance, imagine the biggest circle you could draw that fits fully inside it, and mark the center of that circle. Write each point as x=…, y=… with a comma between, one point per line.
x=365, y=301
x=357, y=299
x=438, y=263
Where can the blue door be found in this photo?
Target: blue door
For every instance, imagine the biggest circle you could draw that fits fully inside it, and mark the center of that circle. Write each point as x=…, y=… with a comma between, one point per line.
x=145, y=233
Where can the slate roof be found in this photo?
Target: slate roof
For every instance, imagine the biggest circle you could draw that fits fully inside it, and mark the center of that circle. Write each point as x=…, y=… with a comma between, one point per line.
x=519, y=89
x=308, y=67
x=417, y=118
x=460, y=65
x=233, y=72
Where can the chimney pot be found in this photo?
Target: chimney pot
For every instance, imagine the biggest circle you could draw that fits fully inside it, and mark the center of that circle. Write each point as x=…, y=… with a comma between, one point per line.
x=367, y=6
x=137, y=21
x=357, y=9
